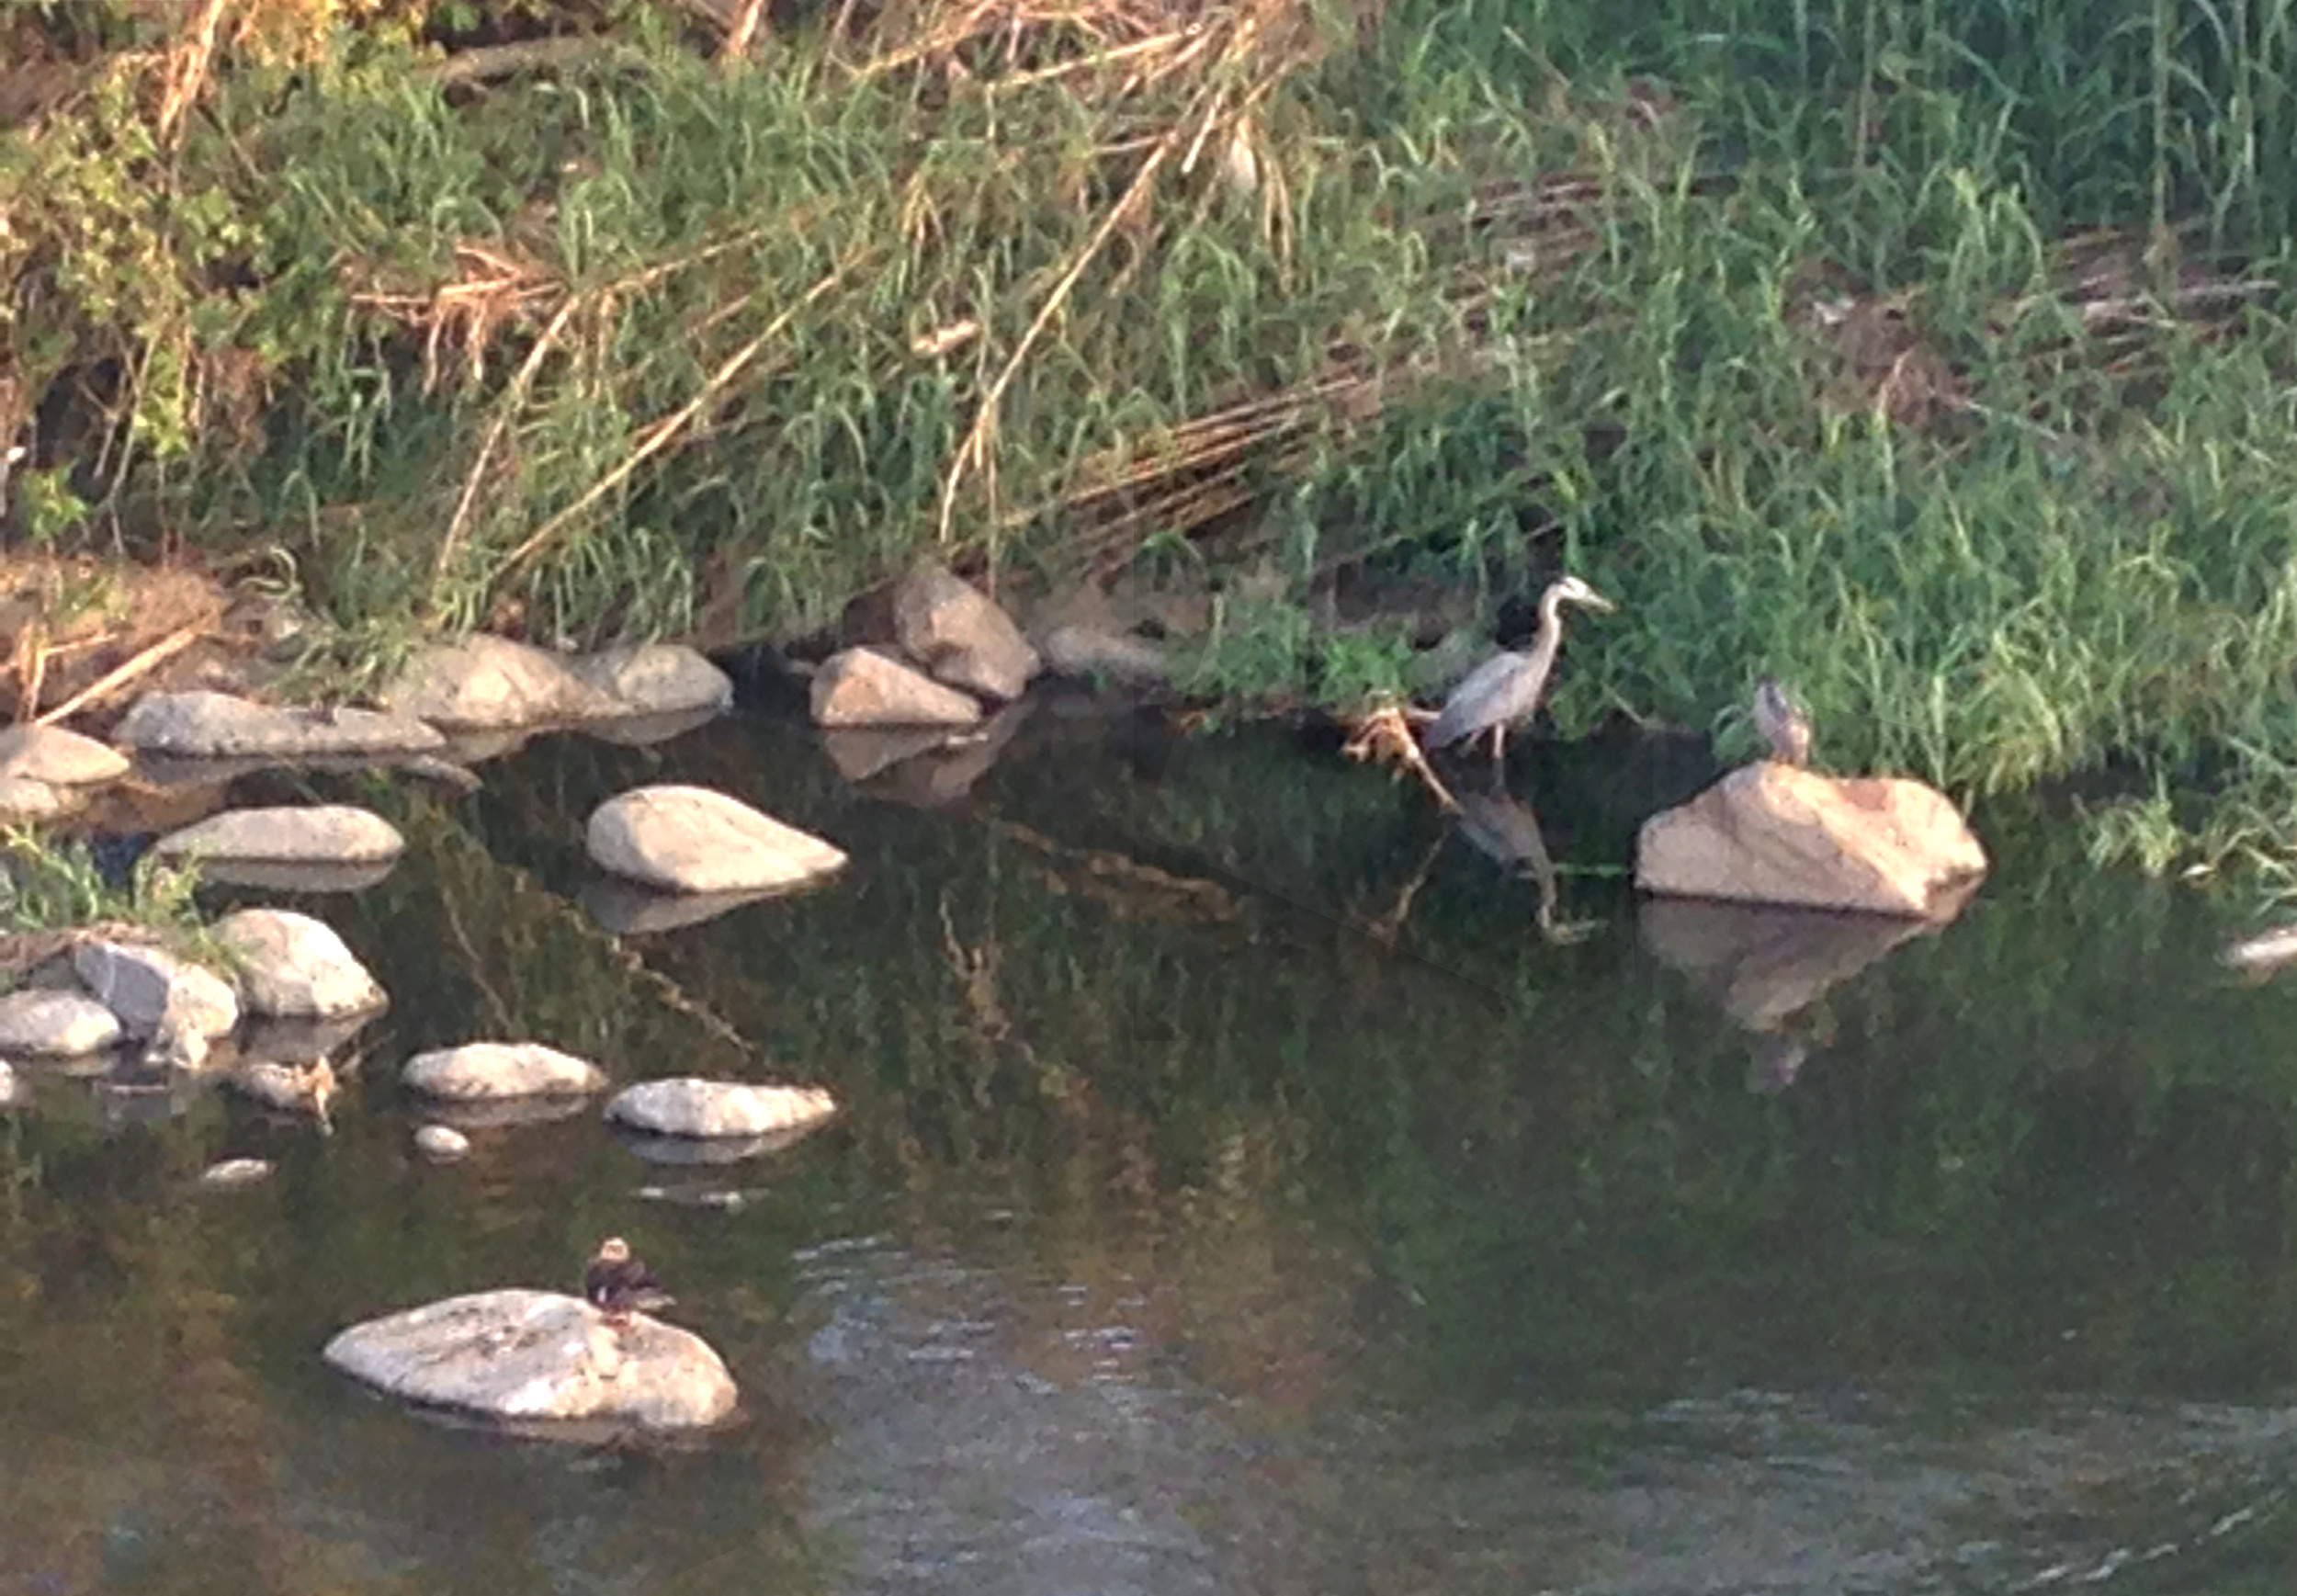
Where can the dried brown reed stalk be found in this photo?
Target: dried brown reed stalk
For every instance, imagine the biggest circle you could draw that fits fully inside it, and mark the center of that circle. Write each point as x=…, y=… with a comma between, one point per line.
x=142, y=663
x=740, y=31
x=494, y=290
x=1241, y=53
x=187, y=66
x=513, y=400
x=652, y=440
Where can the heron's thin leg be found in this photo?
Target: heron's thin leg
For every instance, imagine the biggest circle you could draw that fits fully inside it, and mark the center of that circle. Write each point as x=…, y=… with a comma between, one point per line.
x=1499, y=745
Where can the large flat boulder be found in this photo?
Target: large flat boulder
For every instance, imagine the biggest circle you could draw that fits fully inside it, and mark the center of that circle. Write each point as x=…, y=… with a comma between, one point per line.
x=290, y=835
x=1774, y=833
x=479, y=1071
x=490, y=682
x=655, y=679
x=689, y=1107
x=204, y=725
x=152, y=991
x=960, y=636
x=863, y=688
x=291, y=966
x=56, y=1024
x=59, y=758
x=690, y=839
x=538, y=1357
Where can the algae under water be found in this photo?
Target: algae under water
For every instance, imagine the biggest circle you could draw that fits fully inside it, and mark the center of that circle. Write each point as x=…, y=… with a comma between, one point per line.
x=1237, y=1192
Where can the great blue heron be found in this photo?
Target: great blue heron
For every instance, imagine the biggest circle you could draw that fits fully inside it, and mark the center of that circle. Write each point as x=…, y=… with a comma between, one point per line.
x=1785, y=724
x=1508, y=687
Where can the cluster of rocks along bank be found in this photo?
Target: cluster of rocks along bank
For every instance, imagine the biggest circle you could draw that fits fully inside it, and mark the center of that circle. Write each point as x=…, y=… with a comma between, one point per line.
x=472, y=699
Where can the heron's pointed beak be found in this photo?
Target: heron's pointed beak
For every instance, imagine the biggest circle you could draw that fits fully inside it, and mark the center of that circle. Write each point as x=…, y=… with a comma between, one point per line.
x=1594, y=600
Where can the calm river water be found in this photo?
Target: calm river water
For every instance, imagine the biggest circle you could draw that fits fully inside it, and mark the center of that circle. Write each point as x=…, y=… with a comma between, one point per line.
x=1240, y=1191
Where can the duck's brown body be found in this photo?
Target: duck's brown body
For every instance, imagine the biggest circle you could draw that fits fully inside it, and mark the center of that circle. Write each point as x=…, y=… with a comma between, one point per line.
x=619, y=1283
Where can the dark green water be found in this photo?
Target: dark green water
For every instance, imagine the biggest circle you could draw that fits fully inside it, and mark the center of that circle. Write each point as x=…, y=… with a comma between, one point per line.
x=1239, y=1193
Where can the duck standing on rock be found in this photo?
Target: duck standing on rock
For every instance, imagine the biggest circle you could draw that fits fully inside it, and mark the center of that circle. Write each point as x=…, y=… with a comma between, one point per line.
x=1783, y=723
x=1508, y=687
x=617, y=1283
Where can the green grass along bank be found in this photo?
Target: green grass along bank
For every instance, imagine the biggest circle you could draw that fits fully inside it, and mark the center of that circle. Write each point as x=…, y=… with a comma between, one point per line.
x=1936, y=358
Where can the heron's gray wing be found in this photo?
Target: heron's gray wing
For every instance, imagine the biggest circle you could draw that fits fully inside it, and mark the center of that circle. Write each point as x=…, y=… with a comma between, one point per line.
x=1478, y=703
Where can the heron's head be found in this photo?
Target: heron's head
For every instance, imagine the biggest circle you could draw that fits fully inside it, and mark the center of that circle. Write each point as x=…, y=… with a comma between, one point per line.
x=614, y=1249
x=1571, y=590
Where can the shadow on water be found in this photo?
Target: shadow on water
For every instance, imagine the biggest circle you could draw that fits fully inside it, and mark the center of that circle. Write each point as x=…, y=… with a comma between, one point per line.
x=1245, y=1184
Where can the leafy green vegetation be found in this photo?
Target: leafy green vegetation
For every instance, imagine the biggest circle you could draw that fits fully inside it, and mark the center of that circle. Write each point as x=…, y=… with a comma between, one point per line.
x=55, y=885
x=1936, y=356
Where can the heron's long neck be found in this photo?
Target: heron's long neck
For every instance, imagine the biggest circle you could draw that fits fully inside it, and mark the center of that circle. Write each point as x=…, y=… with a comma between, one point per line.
x=1548, y=637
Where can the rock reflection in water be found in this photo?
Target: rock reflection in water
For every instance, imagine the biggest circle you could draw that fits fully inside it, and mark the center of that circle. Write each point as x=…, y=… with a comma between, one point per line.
x=1769, y=968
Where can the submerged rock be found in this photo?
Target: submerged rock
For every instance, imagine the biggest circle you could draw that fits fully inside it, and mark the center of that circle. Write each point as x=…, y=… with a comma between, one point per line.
x=858, y=754
x=441, y=1143
x=55, y=757
x=689, y=1107
x=960, y=636
x=645, y=730
x=291, y=966
x=149, y=989
x=530, y=1355
x=482, y=1071
x=655, y=679
x=237, y=1172
x=689, y=838
x=863, y=688
x=1094, y=654
x=57, y=1024
x=489, y=682
x=306, y=1089
x=291, y=833
x=204, y=725
x=14, y=1093
x=627, y=908
x=1774, y=833
x=305, y=1040
x=2256, y=955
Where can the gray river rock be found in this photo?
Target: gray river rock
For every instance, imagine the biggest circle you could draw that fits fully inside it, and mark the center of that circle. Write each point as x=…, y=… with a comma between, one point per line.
x=480, y=1071
x=690, y=839
x=58, y=757
x=483, y=683
x=650, y=679
x=865, y=687
x=149, y=987
x=330, y=834
x=685, y=1106
x=539, y=1355
x=205, y=725
x=56, y=1023
x=960, y=636
x=293, y=966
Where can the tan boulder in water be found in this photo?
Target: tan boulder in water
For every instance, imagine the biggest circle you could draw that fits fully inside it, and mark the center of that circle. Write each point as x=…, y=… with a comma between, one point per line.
x=1773, y=834
x=539, y=1356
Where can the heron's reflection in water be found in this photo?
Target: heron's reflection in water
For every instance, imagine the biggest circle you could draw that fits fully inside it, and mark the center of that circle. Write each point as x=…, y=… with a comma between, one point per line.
x=1503, y=828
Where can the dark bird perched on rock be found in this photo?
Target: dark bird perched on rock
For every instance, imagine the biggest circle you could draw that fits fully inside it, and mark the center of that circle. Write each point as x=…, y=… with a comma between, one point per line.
x=1783, y=723
x=618, y=1283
